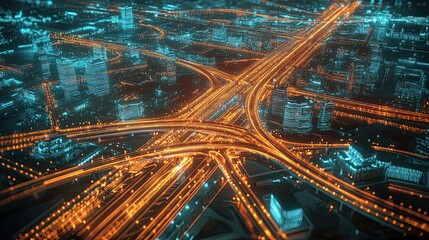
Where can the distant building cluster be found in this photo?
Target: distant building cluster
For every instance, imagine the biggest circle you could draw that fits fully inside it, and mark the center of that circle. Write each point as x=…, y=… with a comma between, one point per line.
x=297, y=112
x=96, y=76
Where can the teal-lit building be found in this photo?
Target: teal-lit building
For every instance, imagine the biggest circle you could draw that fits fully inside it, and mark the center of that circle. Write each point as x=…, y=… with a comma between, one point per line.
x=286, y=211
x=359, y=164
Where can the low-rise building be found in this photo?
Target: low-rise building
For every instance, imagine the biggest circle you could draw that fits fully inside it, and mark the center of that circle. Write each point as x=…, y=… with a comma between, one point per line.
x=128, y=110
x=286, y=211
x=359, y=164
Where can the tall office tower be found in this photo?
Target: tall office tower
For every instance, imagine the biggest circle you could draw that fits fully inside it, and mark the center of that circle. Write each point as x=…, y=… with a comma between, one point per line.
x=42, y=43
x=127, y=19
x=170, y=74
x=298, y=115
x=128, y=110
x=324, y=122
x=278, y=100
x=97, y=78
x=45, y=66
x=67, y=75
x=99, y=53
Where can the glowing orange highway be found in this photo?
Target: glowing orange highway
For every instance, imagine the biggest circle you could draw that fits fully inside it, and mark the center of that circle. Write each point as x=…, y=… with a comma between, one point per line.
x=178, y=144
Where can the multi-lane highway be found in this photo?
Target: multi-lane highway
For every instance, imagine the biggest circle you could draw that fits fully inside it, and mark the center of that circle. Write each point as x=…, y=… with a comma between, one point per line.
x=195, y=144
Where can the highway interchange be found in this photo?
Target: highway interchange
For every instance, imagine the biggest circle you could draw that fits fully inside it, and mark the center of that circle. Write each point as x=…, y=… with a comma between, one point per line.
x=200, y=143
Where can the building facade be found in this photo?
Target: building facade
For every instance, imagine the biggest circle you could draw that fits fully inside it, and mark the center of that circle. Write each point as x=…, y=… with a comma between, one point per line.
x=278, y=100
x=298, y=115
x=99, y=53
x=97, y=78
x=359, y=164
x=68, y=80
x=288, y=215
x=169, y=77
x=128, y=110
x=324, y=121
x=127, y=20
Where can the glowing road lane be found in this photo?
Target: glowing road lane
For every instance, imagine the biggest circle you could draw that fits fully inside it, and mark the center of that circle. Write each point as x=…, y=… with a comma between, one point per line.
x=94, y=132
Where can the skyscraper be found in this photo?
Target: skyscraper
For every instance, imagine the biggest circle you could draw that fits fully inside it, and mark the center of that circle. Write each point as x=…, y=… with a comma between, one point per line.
x=67, y=76
x=324, y=121
x=45, y=66
x=97, y=78
x=298, y=115
x=170, y=74
x=278, y=100
x=127, y=20
x=99, y=53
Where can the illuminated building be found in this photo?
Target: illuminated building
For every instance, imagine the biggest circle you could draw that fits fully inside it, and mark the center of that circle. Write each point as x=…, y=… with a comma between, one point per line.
x=278, y=100
x=339, y=58
x=219, y=35
x=235, y=41
x=97, y=78
x=29, y=96
x=410, y=83
x=99, y=53
x=163, y=49
x=359, y=76
x=298, y=115
x=11, y=82
x=127, y=20
x=45, y=65
x=42, y=43
x=404, y=174
x=184, y=38
x=374, y=68
x=286, y=211
x=359, y=164
x=134, y=56
x=197, y=58
x=59, y=147
x=170, y=75
x=422, y=144
x=128, y=110
x=324, y=121
x=200, y=35
x=315, y=83
x=67, y=75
